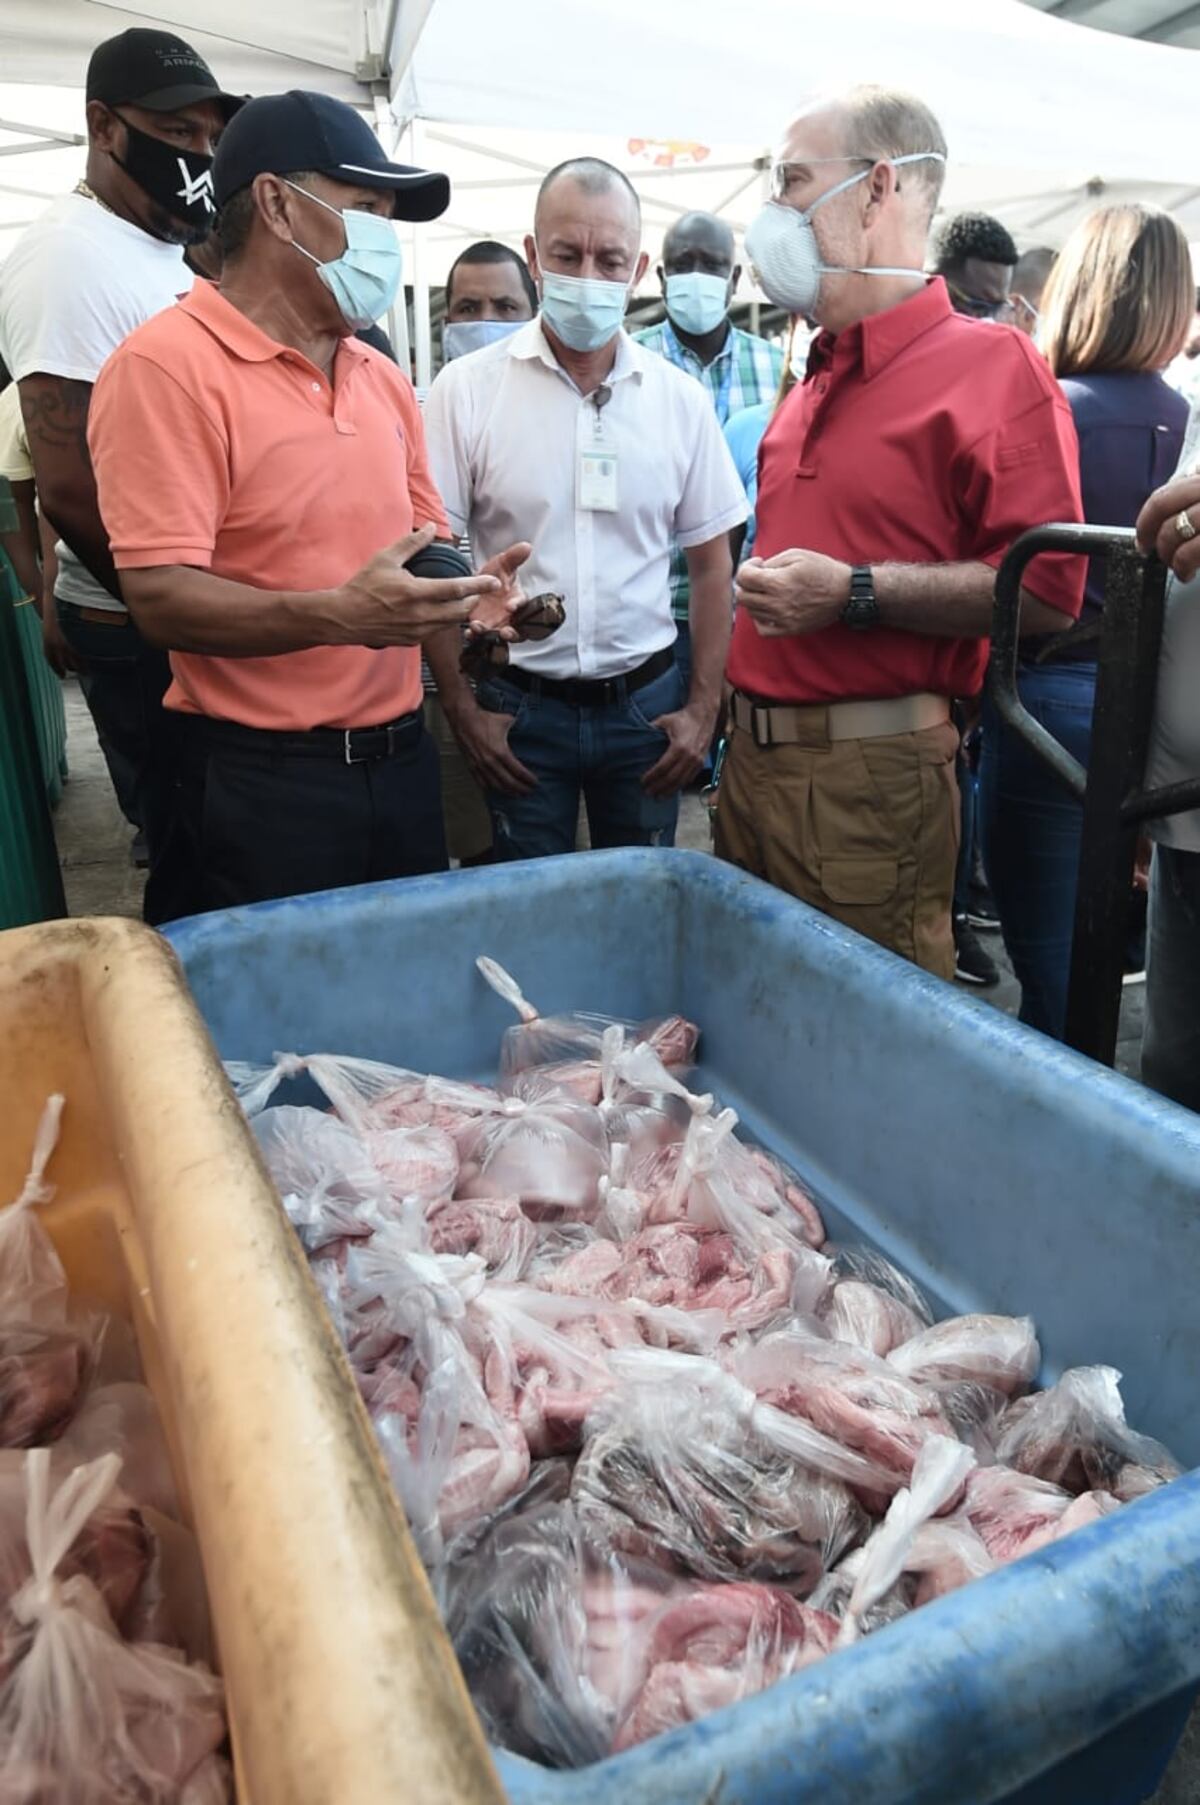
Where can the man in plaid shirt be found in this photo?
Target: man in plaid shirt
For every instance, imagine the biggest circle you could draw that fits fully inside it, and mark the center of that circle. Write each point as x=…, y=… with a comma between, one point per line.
x=739, y=369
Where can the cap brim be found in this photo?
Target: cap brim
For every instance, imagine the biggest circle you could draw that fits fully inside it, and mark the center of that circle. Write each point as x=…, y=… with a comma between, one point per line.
x=186, y=94
x=420, y=194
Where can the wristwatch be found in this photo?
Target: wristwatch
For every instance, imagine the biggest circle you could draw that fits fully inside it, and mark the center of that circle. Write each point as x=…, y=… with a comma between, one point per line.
x=861, y=612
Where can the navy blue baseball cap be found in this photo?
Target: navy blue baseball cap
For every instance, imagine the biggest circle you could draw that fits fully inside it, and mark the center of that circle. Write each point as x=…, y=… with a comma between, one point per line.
x=278, y=134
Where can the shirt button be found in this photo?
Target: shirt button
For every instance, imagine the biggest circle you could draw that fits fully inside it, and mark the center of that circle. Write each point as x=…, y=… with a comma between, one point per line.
x=316, y=388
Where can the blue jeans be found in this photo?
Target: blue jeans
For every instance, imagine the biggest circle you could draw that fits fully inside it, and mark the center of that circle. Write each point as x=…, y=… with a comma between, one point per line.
x=1171, y=1043
x=124, y=681
x=1031, y=830
x=121, y=679
x=683, y=652
x=601, y=754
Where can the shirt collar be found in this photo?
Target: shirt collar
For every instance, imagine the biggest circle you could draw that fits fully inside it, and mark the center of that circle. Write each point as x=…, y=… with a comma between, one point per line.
x=881, y=337
x=530, y=343
x=239, y=334
x=685, y=351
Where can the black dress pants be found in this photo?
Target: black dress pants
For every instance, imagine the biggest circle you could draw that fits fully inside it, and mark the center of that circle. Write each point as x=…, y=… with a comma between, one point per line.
x=260, y=818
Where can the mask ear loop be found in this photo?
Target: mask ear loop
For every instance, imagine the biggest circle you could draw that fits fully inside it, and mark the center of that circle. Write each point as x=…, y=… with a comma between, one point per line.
x=296, y=245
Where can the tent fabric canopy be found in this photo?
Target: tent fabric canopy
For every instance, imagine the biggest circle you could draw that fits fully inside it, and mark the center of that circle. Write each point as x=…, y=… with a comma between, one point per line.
x=258, y=49
x=1045, y=119
x=1012, y=86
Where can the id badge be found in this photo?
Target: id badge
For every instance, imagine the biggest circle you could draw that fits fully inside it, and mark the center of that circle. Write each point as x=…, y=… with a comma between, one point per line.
x=598, y=478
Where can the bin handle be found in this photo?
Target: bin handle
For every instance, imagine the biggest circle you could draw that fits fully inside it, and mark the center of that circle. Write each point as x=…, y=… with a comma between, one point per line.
x=1006, y=631
x=1140, y=805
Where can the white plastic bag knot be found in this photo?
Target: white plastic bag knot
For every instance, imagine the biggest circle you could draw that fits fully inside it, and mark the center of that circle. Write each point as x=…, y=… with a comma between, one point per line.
x=38, y=1599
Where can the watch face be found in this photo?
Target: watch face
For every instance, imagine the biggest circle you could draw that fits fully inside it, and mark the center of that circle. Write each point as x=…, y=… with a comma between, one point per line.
x=862, y=610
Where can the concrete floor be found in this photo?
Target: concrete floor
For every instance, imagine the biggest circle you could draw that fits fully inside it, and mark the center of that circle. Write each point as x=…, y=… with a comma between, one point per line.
x=94, y=841
x=93, y=836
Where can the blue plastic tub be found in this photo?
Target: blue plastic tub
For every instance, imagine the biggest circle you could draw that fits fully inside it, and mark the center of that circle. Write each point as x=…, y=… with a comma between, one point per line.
x=1001, y=1170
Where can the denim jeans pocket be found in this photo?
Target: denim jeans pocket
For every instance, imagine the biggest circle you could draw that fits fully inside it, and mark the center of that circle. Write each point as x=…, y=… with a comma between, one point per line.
x=495, y=696
x=663, y=696
x=100, y=644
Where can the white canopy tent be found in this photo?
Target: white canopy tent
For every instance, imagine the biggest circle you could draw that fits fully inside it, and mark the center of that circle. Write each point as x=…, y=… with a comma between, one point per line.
x=1044, y=118
x=338, y=45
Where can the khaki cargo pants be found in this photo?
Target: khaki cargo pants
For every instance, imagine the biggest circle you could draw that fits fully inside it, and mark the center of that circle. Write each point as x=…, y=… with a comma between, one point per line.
x=865, y=830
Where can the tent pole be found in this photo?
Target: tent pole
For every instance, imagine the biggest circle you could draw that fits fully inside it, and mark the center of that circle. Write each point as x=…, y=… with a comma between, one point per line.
x=422, y=335
x=397, y=319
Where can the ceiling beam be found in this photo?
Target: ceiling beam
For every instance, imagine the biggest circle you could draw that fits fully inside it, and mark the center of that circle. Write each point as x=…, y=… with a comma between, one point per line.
x=1173, y=26
x=41, y=131
x=27, y=150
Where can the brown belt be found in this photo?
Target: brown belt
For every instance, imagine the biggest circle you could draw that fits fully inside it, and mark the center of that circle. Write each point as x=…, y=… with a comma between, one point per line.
x=820, y=723
x=100, y=617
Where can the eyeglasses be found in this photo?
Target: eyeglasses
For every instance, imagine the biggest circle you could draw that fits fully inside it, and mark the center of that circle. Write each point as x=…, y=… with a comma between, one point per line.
x=788, y=176
x=1026, y=314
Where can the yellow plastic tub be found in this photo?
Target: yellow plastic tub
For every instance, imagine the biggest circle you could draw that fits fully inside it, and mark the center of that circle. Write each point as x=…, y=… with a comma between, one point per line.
x=342, y=1686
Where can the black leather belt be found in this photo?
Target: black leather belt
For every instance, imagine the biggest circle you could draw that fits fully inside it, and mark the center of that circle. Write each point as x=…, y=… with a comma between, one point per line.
x=349, y=745
x=590, y=692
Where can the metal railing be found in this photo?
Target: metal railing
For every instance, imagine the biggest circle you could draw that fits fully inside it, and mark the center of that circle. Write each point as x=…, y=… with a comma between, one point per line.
x=1114, y=804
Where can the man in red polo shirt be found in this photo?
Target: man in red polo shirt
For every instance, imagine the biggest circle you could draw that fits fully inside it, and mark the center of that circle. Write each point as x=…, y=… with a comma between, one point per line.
x=264, y=485
x=891, y=483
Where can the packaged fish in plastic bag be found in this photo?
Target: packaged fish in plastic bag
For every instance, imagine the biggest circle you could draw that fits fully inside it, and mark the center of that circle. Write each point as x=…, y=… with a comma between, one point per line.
x=938, y=1474
x=447, y=1423
x=374, y=1097
x=544, y=1617
x=644, y=1105
x=870, y=1302
x=847, y=1394
x=550, y=1151
x=556, y=1349
x=676, y=1465
x=682, y=1268
x=495, y=1228
x=716, y=1645
x=568, y=1046
x=718, y=1182
x=1075, y=1435
x=342, y=1173
x=1000, y=1351
x=86, y=1717
x=33, y=1285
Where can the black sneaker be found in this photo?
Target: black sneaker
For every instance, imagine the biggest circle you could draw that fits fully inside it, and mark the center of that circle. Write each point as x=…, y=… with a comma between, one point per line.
x=981, y=910
x=971, y=964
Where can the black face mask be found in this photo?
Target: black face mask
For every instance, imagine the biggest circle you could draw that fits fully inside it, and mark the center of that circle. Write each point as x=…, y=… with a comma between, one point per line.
x=179, y=181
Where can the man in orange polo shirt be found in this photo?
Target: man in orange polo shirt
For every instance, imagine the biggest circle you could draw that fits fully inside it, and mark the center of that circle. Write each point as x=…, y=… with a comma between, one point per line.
x=263, y=482
x=891, y=483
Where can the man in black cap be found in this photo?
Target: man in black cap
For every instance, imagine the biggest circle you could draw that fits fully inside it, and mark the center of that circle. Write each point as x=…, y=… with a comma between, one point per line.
x=94, y=266
x=263, y=480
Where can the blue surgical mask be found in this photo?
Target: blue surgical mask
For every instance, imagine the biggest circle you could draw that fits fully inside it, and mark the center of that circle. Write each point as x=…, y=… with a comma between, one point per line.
x=365, y=279
x=583, y=311
x=459, y=337
x=697, y=303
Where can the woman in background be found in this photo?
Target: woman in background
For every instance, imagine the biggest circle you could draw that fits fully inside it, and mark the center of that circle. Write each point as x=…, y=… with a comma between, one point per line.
x=1116, y=310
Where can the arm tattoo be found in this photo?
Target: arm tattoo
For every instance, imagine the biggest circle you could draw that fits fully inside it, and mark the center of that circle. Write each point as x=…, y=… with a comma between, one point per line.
x=55, y=410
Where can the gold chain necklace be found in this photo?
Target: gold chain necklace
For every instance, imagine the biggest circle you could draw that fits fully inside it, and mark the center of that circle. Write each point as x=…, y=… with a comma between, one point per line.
x=89, y=194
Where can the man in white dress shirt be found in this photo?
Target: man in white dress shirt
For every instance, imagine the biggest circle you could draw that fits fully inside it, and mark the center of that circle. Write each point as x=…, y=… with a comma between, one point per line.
x=571, y=436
